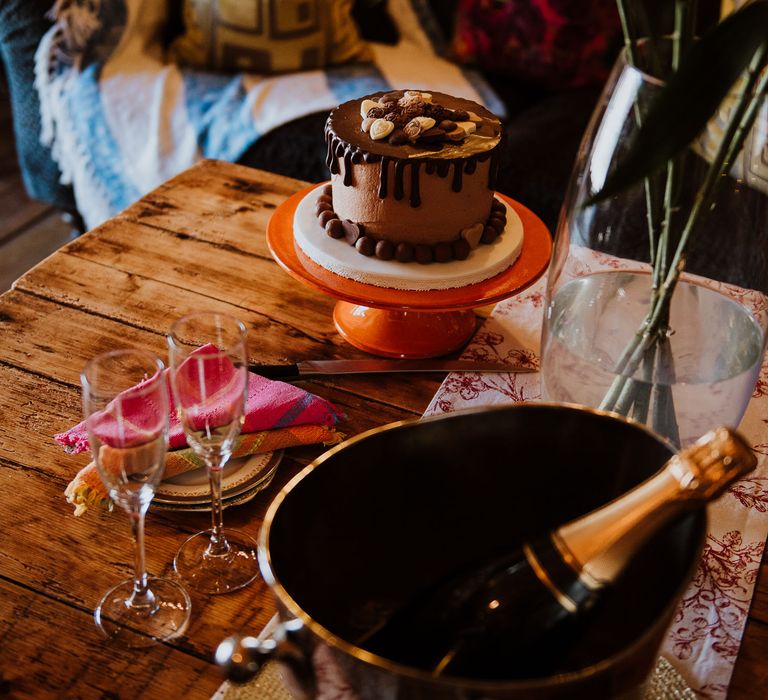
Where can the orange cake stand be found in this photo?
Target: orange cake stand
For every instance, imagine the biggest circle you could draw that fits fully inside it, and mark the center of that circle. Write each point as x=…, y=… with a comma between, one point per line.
x=407, y=323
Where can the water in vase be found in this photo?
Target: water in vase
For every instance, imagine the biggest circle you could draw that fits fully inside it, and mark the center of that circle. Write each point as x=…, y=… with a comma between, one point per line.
x=716, y=344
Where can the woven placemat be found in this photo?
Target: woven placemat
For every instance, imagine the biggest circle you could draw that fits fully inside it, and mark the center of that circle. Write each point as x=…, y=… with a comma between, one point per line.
x=267, y=685
x=665, y=683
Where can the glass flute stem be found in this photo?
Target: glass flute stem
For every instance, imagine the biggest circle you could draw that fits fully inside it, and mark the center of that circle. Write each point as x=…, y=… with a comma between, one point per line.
x=218, y=544
x=142, y=596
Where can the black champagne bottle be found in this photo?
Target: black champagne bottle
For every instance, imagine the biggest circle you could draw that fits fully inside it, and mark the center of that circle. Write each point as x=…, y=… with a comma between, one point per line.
x=519, y=614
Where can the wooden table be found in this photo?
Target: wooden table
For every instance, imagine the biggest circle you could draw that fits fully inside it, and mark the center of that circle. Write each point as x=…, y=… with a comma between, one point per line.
x=196, y=242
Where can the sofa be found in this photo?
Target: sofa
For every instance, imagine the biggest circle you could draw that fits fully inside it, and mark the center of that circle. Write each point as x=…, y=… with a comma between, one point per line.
x=545, y=106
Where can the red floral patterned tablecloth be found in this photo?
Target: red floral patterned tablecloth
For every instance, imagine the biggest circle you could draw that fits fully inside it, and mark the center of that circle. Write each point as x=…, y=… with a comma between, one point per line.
x=703, y=641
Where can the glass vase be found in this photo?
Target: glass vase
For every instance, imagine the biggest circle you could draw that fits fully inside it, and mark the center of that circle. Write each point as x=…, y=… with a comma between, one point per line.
x=693, y=362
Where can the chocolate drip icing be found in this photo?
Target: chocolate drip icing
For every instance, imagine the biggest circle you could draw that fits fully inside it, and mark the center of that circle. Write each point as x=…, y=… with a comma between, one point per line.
x=493, y=169
x=415, y=199
x=330, y=160
x=338, y=149
x=458, y=170
x=398, y=190
x=347, y=167
x=383, y=175
x=442, y=168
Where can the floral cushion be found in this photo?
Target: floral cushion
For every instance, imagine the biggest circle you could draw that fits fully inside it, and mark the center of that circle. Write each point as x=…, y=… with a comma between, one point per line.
x=556, y=43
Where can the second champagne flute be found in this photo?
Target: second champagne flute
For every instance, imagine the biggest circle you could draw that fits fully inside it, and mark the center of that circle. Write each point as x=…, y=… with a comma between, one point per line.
x=209, y=375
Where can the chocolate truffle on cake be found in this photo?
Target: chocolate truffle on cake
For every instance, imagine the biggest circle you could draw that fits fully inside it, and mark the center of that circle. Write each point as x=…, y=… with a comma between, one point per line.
x=416, y=170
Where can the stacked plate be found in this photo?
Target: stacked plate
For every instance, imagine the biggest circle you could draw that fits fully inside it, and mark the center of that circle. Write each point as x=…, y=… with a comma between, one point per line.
x=242, y=479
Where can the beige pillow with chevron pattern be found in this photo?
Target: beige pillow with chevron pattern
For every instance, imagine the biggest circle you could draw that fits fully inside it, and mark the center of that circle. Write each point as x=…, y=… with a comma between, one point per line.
x=268, y=36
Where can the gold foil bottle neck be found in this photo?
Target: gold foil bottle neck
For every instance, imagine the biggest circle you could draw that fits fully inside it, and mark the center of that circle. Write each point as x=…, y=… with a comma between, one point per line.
x=709, y=466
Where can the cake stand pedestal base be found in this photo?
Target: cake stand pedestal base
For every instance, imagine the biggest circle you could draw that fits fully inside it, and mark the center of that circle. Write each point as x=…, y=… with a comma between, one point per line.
x=402, y=332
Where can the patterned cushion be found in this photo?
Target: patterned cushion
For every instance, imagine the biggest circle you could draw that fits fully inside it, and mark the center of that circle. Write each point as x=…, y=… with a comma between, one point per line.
x=268, y=36
x=555, y=43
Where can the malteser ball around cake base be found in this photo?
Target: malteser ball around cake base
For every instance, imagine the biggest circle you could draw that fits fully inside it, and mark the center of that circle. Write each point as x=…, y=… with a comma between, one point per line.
x=339, y=256
x=413, y=176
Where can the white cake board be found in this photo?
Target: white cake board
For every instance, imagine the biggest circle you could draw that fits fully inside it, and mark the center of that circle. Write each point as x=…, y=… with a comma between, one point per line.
x=336, y=255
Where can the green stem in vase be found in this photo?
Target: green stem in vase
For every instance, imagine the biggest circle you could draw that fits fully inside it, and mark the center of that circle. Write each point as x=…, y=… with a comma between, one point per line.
x=633, y=59
x=662, y=254
x=619, y=396
x=634, y=398
x=635, y=26
x=658, y=359
x=643, y=392
x=680, y=41
x=650, y=217
x=664, y=420
x=630, y=37
x=685, y=17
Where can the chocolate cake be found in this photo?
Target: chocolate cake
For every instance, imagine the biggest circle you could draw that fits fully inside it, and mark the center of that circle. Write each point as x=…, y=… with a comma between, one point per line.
x=412, y=176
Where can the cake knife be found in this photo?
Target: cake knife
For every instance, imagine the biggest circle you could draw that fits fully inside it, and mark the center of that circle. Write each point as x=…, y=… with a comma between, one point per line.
x=314, y=368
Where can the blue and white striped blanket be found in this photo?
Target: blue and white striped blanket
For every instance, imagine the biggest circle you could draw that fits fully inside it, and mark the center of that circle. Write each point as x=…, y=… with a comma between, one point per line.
x=121, y=119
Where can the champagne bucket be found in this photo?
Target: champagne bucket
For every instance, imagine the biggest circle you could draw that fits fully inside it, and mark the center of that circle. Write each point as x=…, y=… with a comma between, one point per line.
x=377, y=518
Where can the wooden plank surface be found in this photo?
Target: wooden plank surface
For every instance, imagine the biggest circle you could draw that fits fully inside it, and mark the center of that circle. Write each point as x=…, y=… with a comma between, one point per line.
x=196, y=242
x=37, y=663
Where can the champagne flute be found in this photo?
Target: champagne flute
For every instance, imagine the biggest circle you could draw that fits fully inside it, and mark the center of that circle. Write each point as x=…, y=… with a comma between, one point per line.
x=125, y=400
x=209, y=375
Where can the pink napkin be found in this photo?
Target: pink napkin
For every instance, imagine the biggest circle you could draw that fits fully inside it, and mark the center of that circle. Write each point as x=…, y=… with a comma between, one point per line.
x=270, y=405
x=143, y=417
